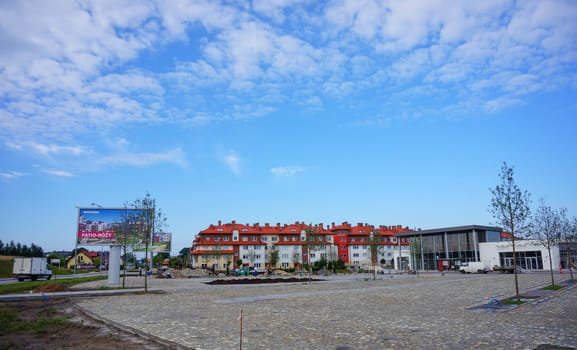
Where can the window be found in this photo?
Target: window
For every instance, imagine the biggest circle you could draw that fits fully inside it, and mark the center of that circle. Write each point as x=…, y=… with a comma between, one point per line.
x=274, y=239
x=353, y=239
x=284, y=256
x=294, y=238
x=244, y=239
x=207, y=238
x=355, y=247
x=256, y=247
x=264, y=239
x=312, y=255
x=254, y=238
x=226, y=238
x=245, y=247
x=219, y=229
x=216, y=238
x=285, y=239
x=355, y=255
x=257, y=265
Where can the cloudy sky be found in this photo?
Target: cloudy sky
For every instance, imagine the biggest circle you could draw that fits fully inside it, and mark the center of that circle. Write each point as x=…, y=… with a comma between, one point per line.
x=282, y=110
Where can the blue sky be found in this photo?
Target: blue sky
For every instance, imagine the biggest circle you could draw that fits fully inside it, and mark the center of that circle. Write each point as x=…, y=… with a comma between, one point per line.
x=282, y=110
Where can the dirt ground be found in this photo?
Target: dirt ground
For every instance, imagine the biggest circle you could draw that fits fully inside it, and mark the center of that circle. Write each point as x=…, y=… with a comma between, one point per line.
x=57, y=324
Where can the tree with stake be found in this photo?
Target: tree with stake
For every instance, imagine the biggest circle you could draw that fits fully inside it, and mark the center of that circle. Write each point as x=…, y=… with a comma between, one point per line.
x=273, y=257
x=375, y=248
x=547, y=228
x=570, y=237
x=311, y=241
x=150, y=220
x=510, y=207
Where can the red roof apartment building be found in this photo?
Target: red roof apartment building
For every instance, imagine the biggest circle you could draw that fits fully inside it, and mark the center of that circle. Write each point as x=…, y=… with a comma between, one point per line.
x=220, y=246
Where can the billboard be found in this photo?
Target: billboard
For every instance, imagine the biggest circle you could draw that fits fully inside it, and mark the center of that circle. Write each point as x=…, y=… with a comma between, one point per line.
x=110, y=226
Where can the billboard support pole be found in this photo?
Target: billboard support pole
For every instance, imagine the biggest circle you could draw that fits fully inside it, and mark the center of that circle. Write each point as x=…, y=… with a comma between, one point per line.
x=114, y=266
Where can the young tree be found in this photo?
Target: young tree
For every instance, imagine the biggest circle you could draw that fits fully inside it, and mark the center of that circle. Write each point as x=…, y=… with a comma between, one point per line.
x=375, y=248
x=149, y=220
x=416, y=249
x=510, y=207
x=311, y=242
x=547, y=228
x=273, y=257
x=569, y=236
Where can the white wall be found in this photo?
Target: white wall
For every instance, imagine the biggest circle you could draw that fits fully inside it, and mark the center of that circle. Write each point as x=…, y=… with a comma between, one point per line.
x=489, y=252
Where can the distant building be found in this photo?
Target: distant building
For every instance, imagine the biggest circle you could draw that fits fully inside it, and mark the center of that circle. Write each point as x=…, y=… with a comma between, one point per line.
x=446, y=248
x=220, y=246
x=530, y=254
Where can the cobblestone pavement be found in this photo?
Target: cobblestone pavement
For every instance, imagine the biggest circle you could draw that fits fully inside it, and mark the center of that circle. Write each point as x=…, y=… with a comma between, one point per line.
x=429, y=311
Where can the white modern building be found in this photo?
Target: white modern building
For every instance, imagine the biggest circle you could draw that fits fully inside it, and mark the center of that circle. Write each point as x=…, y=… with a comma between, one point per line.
x=531, y=254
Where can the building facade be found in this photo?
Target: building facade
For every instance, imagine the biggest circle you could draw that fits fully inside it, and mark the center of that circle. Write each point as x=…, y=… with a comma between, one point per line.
x=447, y=248
x=220, y=247
x=530, y=255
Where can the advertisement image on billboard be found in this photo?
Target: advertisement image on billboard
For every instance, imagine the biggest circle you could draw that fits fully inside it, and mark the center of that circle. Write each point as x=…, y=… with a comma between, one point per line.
x=160, y=243
x=109, y=226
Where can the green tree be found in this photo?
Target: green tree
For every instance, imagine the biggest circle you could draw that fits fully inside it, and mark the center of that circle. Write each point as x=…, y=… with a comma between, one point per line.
x=273, y=257
x=311, y=241
x=184, y=254
x=510, y=207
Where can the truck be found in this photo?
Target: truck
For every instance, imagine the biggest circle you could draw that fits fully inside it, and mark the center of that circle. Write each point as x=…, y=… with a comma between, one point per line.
x=31, y=268
x=474, y=267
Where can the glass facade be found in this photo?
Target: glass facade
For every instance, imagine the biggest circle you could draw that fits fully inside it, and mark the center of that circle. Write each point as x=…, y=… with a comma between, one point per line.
x=530, y=260
x=447, y=249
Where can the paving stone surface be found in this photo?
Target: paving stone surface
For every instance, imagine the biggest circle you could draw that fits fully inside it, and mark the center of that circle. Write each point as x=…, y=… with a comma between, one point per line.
x=428, y=311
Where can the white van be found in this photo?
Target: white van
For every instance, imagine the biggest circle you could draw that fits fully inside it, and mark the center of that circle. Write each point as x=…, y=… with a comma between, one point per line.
x=474, y=267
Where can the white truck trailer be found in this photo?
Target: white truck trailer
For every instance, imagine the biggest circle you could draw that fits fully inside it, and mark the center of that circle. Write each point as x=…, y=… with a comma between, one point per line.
x=31, y=268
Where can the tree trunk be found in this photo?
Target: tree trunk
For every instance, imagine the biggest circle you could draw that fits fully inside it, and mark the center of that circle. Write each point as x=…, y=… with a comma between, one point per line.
x=551, y=266
x=517, y=296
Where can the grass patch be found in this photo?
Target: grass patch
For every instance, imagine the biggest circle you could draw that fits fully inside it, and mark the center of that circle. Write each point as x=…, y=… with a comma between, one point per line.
x=10, y=321
x=24, y=287
x=513, y=301
x=555, y=287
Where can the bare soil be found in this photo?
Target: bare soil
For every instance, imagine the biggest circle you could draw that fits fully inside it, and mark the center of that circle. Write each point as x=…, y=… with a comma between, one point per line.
x=57, y=324
x=262, y=280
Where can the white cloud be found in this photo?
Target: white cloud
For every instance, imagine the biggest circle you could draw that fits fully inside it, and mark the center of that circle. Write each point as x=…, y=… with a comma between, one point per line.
x=60, y=173
x=232, y=160
x=175, y=156
x=72, y=70
x=286, y=171
x=10, y=175
x=49, y=149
